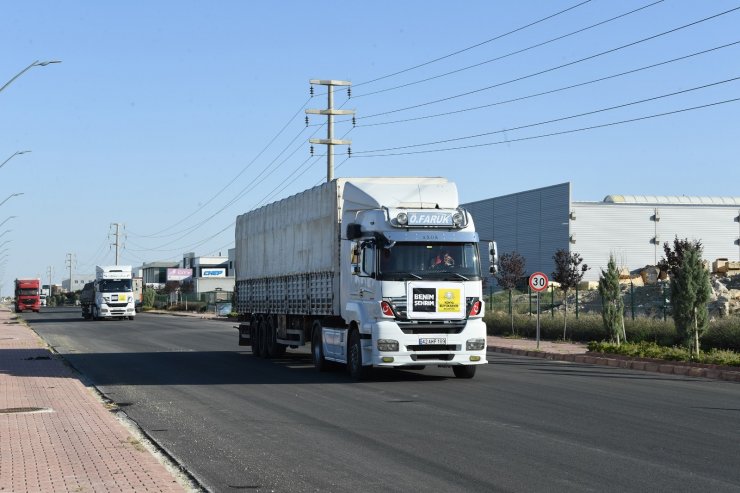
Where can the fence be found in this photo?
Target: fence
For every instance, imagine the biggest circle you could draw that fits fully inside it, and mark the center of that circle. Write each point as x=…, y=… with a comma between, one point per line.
x=210, y=301
x=639, y=301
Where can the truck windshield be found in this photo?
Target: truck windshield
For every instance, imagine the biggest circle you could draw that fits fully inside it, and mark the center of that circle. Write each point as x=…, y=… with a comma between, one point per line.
x=115, y=286
x=405, y=261
x=28, y=292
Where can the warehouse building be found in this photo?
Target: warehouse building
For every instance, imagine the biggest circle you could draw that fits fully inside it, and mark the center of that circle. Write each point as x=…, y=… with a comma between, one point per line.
x=536, y=223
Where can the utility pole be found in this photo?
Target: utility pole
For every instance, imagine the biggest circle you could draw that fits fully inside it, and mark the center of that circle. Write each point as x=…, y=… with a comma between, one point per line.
x=68, y=262
x=117, y=234
x=330, y=141
x=49, y=272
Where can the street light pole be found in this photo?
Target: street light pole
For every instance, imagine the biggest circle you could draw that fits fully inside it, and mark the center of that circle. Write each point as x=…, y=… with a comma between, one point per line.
x=3, y=233
x=7, y=219
x=11, y=196
x=37, y=63
x=16, y=153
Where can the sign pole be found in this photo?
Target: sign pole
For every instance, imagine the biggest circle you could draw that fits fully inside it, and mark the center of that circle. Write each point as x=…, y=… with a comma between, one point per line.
x=538, y=320
x=538, y=282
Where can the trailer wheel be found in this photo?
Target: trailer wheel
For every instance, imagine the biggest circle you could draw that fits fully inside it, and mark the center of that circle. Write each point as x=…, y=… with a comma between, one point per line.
x=263, y=338
x=464, y=371
x=274, y=348
x=354, y=358
x=254, y=336
x=317, y=349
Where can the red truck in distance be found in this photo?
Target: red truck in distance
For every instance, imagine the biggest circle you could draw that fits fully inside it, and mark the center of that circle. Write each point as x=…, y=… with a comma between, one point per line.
x=27, y=295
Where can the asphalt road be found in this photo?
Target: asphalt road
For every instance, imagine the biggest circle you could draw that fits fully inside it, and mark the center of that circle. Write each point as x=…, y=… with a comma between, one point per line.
x=237, y=422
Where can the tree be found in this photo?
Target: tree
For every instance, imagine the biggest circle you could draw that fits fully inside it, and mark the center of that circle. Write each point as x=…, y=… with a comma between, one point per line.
x=568, y=273
x=671, y=263
x=511, y=269
x=611, y=298
x=690, y=292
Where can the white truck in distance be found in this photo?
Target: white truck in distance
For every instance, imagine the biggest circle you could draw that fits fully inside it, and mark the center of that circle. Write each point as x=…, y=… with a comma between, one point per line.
x=111, y=295
x=373, y=272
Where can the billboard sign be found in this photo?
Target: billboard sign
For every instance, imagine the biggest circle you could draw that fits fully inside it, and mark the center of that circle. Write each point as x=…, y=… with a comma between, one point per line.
x=214, y=272
x=179, y=274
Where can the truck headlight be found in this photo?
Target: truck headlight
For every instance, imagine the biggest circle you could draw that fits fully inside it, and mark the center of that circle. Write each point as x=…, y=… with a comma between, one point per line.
x=458, y=219
x=387, y=345
x=402, y=218
x=475, y=344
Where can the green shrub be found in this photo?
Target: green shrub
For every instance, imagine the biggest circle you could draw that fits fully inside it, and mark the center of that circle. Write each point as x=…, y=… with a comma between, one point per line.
x=674, y=353
x=723, y=333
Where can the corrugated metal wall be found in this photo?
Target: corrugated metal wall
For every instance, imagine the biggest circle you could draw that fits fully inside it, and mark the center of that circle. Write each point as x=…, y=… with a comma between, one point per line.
x=533, y=223
x=629, y=231
x=537, y=222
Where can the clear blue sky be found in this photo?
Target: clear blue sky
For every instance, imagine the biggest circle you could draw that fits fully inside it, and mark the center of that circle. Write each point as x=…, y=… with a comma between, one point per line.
x=157, y=106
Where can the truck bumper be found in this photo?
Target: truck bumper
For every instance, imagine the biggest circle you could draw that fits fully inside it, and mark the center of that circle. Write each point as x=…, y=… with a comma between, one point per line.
x=107, y=311
x=468, y=347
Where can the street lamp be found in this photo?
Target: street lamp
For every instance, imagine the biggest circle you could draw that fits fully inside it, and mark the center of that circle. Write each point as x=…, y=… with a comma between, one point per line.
x=16, y=153
x=3, y=233
x=5, y=242
x=37, y=63
x=11, y=196
x=8, y=219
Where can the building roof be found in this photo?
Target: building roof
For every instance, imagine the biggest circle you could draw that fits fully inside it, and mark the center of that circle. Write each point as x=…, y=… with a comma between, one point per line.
x=670, y=199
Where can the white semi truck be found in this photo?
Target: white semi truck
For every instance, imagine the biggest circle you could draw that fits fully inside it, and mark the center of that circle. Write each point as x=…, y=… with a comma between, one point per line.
x=110, y=296
x=373, y=272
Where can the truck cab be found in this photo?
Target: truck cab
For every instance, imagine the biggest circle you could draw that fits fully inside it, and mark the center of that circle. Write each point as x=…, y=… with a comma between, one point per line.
x=415, y=288
x=110, y=295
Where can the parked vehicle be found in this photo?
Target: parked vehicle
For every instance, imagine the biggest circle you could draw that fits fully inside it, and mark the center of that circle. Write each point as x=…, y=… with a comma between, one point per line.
x=110, y=295
x=374, y=272
x=27, y=295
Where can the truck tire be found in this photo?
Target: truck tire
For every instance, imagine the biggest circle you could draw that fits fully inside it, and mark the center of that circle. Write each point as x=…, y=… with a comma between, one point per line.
x=274, y=348
x=464, y=371
x=254, y=336
x=317, y=349
x=263, y=338
x=354, y=358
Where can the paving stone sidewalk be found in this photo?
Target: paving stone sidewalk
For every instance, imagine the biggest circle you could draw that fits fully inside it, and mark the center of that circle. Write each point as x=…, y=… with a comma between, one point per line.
x=56, y=435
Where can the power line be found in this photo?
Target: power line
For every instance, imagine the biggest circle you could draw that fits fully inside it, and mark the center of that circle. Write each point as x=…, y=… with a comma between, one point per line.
x=551, y=69
x=572, y=86
x=485, y=134
x=552, y=134
x=517, y=52
x=233, y=180
x=475, y=45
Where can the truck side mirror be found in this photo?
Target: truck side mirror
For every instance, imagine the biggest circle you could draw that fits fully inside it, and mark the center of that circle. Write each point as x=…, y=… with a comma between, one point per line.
x=493, y=257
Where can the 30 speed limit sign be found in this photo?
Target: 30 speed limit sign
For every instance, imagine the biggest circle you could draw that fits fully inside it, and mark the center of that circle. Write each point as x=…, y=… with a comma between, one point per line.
x=538, y=282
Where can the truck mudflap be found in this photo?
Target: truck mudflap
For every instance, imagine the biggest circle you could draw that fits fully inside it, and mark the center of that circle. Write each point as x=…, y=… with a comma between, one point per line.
x=395, y=348
x=245, y=334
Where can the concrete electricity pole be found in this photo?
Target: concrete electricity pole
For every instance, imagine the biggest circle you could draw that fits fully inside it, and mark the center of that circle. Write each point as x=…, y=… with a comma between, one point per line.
x=50, y=272
x=330, y=141
x=68, y=262
x=117, y=234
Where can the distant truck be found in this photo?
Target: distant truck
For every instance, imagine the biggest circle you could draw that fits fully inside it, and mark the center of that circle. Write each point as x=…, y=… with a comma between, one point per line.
x=27, y=295
x=110, y=295
x=138, y=289
x=373, y=272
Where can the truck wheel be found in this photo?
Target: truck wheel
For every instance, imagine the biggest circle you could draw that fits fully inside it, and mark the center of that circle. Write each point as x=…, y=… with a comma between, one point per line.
x=317, y=349
x=263, y=338
x=274, y=348
x=254, y=336
x=354, y=358
x=464, y=371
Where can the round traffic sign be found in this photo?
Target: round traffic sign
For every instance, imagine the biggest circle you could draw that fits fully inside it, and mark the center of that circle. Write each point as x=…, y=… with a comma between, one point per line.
x=538, y=282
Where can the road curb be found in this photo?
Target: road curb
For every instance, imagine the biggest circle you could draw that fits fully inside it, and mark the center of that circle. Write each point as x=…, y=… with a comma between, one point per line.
x=729, y=374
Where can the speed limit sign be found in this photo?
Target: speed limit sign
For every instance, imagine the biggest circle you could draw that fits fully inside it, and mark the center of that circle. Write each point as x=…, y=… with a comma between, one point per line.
x=538, y=282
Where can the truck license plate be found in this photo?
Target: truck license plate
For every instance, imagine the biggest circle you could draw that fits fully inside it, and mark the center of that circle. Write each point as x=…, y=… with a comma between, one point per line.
x=426, y=341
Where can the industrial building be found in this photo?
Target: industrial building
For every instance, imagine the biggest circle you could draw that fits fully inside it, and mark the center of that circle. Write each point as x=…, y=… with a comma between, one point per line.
x=633, y=228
